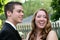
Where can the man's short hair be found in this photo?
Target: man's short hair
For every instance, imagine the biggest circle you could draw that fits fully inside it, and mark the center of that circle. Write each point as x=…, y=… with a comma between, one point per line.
x=10, y=6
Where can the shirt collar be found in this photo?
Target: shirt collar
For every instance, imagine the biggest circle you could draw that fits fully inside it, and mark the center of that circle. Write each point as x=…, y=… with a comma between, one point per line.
x=11, y=24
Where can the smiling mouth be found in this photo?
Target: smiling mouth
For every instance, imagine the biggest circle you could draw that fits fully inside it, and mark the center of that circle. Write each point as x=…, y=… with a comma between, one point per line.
x=21, y=18
x=42, y=23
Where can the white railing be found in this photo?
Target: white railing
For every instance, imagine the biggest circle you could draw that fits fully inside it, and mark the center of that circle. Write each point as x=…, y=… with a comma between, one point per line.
x=25, y=28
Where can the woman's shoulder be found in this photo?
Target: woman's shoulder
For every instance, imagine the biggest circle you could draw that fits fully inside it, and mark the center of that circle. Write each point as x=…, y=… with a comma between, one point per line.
x=28, y=35
x=52, y=35
x=52, y=32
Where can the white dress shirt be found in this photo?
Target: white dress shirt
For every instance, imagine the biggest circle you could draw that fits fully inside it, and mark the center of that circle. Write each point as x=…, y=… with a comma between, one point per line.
x=11, y=24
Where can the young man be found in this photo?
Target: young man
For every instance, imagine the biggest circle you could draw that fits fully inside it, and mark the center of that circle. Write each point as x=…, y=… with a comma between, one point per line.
x=14, y=14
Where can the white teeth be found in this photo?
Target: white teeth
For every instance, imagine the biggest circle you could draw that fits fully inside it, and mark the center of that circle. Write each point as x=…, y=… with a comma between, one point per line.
x=41, y=23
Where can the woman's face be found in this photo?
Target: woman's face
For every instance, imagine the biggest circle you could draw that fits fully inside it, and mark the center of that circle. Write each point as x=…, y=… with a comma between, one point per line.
x=41, y=19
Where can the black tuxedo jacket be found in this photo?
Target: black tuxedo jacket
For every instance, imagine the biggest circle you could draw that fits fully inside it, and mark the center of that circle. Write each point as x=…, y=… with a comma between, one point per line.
x=9, y=33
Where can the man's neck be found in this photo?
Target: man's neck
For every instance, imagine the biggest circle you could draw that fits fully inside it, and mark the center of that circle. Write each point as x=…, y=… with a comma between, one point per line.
x=13, y=22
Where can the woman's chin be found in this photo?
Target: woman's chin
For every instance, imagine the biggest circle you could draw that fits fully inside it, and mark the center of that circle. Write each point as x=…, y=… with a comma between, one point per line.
x=41, y=27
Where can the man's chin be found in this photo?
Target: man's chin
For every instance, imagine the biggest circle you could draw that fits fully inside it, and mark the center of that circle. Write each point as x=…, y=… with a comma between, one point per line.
x=20, y=22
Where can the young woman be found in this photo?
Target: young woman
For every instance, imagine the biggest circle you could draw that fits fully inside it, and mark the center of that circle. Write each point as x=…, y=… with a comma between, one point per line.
x=41, y=27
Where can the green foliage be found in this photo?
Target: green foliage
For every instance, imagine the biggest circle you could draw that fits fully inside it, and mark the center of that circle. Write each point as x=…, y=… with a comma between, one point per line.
x=31, y=6
x=2, y=17
x=2, y=3
x=0, y=24
x=56, y=8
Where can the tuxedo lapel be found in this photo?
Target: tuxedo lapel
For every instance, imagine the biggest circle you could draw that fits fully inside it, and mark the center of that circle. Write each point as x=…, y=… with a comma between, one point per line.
x=7, y=26
x=17, y=34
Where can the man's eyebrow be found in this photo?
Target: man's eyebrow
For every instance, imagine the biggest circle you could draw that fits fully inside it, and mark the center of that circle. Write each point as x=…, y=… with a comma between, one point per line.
x=21, y=10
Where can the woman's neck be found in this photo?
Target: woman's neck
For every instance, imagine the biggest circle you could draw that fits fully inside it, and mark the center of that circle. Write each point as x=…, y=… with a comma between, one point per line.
x=38, y=31
x=38, y=34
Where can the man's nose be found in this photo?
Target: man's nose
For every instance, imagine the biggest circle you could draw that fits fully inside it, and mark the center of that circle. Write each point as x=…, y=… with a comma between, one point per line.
x=22, y=13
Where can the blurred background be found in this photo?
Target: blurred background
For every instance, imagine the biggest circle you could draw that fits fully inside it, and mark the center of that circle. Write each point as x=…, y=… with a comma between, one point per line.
x=30, y=6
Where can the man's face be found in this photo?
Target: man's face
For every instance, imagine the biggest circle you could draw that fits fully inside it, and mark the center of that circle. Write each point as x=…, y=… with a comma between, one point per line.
x=17, y=14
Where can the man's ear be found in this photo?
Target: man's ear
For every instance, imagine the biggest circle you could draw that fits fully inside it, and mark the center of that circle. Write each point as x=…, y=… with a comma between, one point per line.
x=9, y=13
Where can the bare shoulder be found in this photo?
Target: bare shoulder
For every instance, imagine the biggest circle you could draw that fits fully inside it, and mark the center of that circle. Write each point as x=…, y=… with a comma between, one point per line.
x=52, y=32
x=28, y=35
x=52, y=35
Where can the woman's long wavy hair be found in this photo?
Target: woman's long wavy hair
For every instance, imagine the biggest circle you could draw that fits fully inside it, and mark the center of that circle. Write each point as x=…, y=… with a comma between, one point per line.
x=44, y=32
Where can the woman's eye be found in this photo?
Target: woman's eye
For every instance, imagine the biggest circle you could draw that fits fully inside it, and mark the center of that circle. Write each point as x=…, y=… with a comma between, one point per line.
x=44, y=16
x=38, y=16
x=41, y=16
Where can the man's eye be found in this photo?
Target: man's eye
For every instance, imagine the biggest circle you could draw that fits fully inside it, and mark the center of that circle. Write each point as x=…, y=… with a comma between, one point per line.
x=18, y=11
x=22, y=11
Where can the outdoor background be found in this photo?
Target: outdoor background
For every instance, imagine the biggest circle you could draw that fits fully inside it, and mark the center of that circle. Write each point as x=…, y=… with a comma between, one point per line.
x=30, y=6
